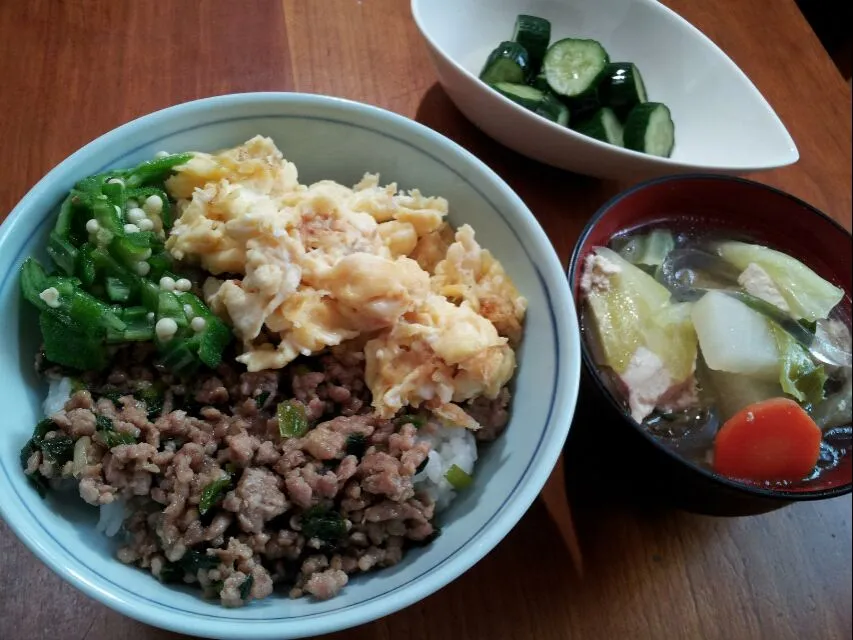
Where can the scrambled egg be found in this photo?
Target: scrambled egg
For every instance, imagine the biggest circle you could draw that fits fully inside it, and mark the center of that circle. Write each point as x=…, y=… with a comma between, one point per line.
x=297, y=269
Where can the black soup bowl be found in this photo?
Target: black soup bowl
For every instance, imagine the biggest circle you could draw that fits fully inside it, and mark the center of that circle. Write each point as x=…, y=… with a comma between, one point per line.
x=609, y=449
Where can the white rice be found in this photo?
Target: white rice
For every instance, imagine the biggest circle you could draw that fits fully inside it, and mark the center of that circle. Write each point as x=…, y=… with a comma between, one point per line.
x=450, y=446
x=111, y=517
x=57, y=395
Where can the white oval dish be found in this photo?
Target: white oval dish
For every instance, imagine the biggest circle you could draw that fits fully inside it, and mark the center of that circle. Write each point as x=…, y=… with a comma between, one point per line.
x=326, y=138
x=723, y=123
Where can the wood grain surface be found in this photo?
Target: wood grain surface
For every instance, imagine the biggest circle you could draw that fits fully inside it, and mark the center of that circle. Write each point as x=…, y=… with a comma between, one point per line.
x=74, y=69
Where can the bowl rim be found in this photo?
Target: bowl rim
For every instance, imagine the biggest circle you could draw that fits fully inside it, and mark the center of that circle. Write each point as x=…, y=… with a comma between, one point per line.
x=470, y=552
x=780, y=495
x=792, y=155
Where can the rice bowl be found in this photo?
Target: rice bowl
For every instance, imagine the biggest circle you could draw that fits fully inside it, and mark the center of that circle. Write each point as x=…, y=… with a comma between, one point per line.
x=478, y=519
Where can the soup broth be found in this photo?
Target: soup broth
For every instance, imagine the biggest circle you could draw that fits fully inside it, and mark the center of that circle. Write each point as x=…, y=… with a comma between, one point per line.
x=732, y=354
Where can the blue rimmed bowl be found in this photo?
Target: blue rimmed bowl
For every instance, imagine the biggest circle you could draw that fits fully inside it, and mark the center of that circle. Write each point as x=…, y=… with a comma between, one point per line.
x=326, y=138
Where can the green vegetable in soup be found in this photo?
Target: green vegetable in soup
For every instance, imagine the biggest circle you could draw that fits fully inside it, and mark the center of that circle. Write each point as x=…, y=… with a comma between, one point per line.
x=650, y=249
x=672, y=336
x=799, y=375
x=732, y=392
x=809, y=296
x=837, y=409
x=634, y=310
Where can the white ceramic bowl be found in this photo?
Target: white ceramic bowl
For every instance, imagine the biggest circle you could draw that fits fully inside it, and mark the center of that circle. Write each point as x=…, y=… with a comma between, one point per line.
x=722, y=122
x=326, y=138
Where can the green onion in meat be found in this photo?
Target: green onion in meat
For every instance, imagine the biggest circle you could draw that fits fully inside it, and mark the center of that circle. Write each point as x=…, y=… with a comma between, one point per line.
x=292, y=421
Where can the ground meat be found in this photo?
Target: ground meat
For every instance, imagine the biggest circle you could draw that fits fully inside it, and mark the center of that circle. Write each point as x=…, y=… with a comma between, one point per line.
x=242, y=447
x=80, y=400
x=404, y=445
x=338, y=389
x=323, y=483
x=133, y=413
x=267, y=454
x=390, y=510
x=217, y=497
x=326, y=584
x=231, y=588
x=256, y=384
x=128, y=467
x=346, y=469
x=212, y=391
x=327, y=441
x=305, y=385
x=382, y=432
x=237, y=565
x=143, y=546
x=178, y=424
x=285, y=544
x=95, y=491
x=196, y=532
x=105, y=407
x=381, y=475
x=298, y=490
x=256, y=500
x=76, y=422
x=493, y=415
x=33, y=463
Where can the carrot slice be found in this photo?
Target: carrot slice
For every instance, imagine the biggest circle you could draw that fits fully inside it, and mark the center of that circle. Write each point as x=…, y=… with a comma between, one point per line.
x=771, y=440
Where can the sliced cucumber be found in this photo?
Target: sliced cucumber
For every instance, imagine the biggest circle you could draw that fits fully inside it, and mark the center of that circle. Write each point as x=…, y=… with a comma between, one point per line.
x=603, y=125
x=541, y=83
x=583, y=107
x=622, y=88
x=649, y=128
x=509, y=62
x=553, y=109
x=533, y=34
x=525, y=95
x=574, y=67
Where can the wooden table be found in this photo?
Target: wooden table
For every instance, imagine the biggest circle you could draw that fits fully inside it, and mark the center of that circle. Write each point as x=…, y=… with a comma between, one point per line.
x=73, y=69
